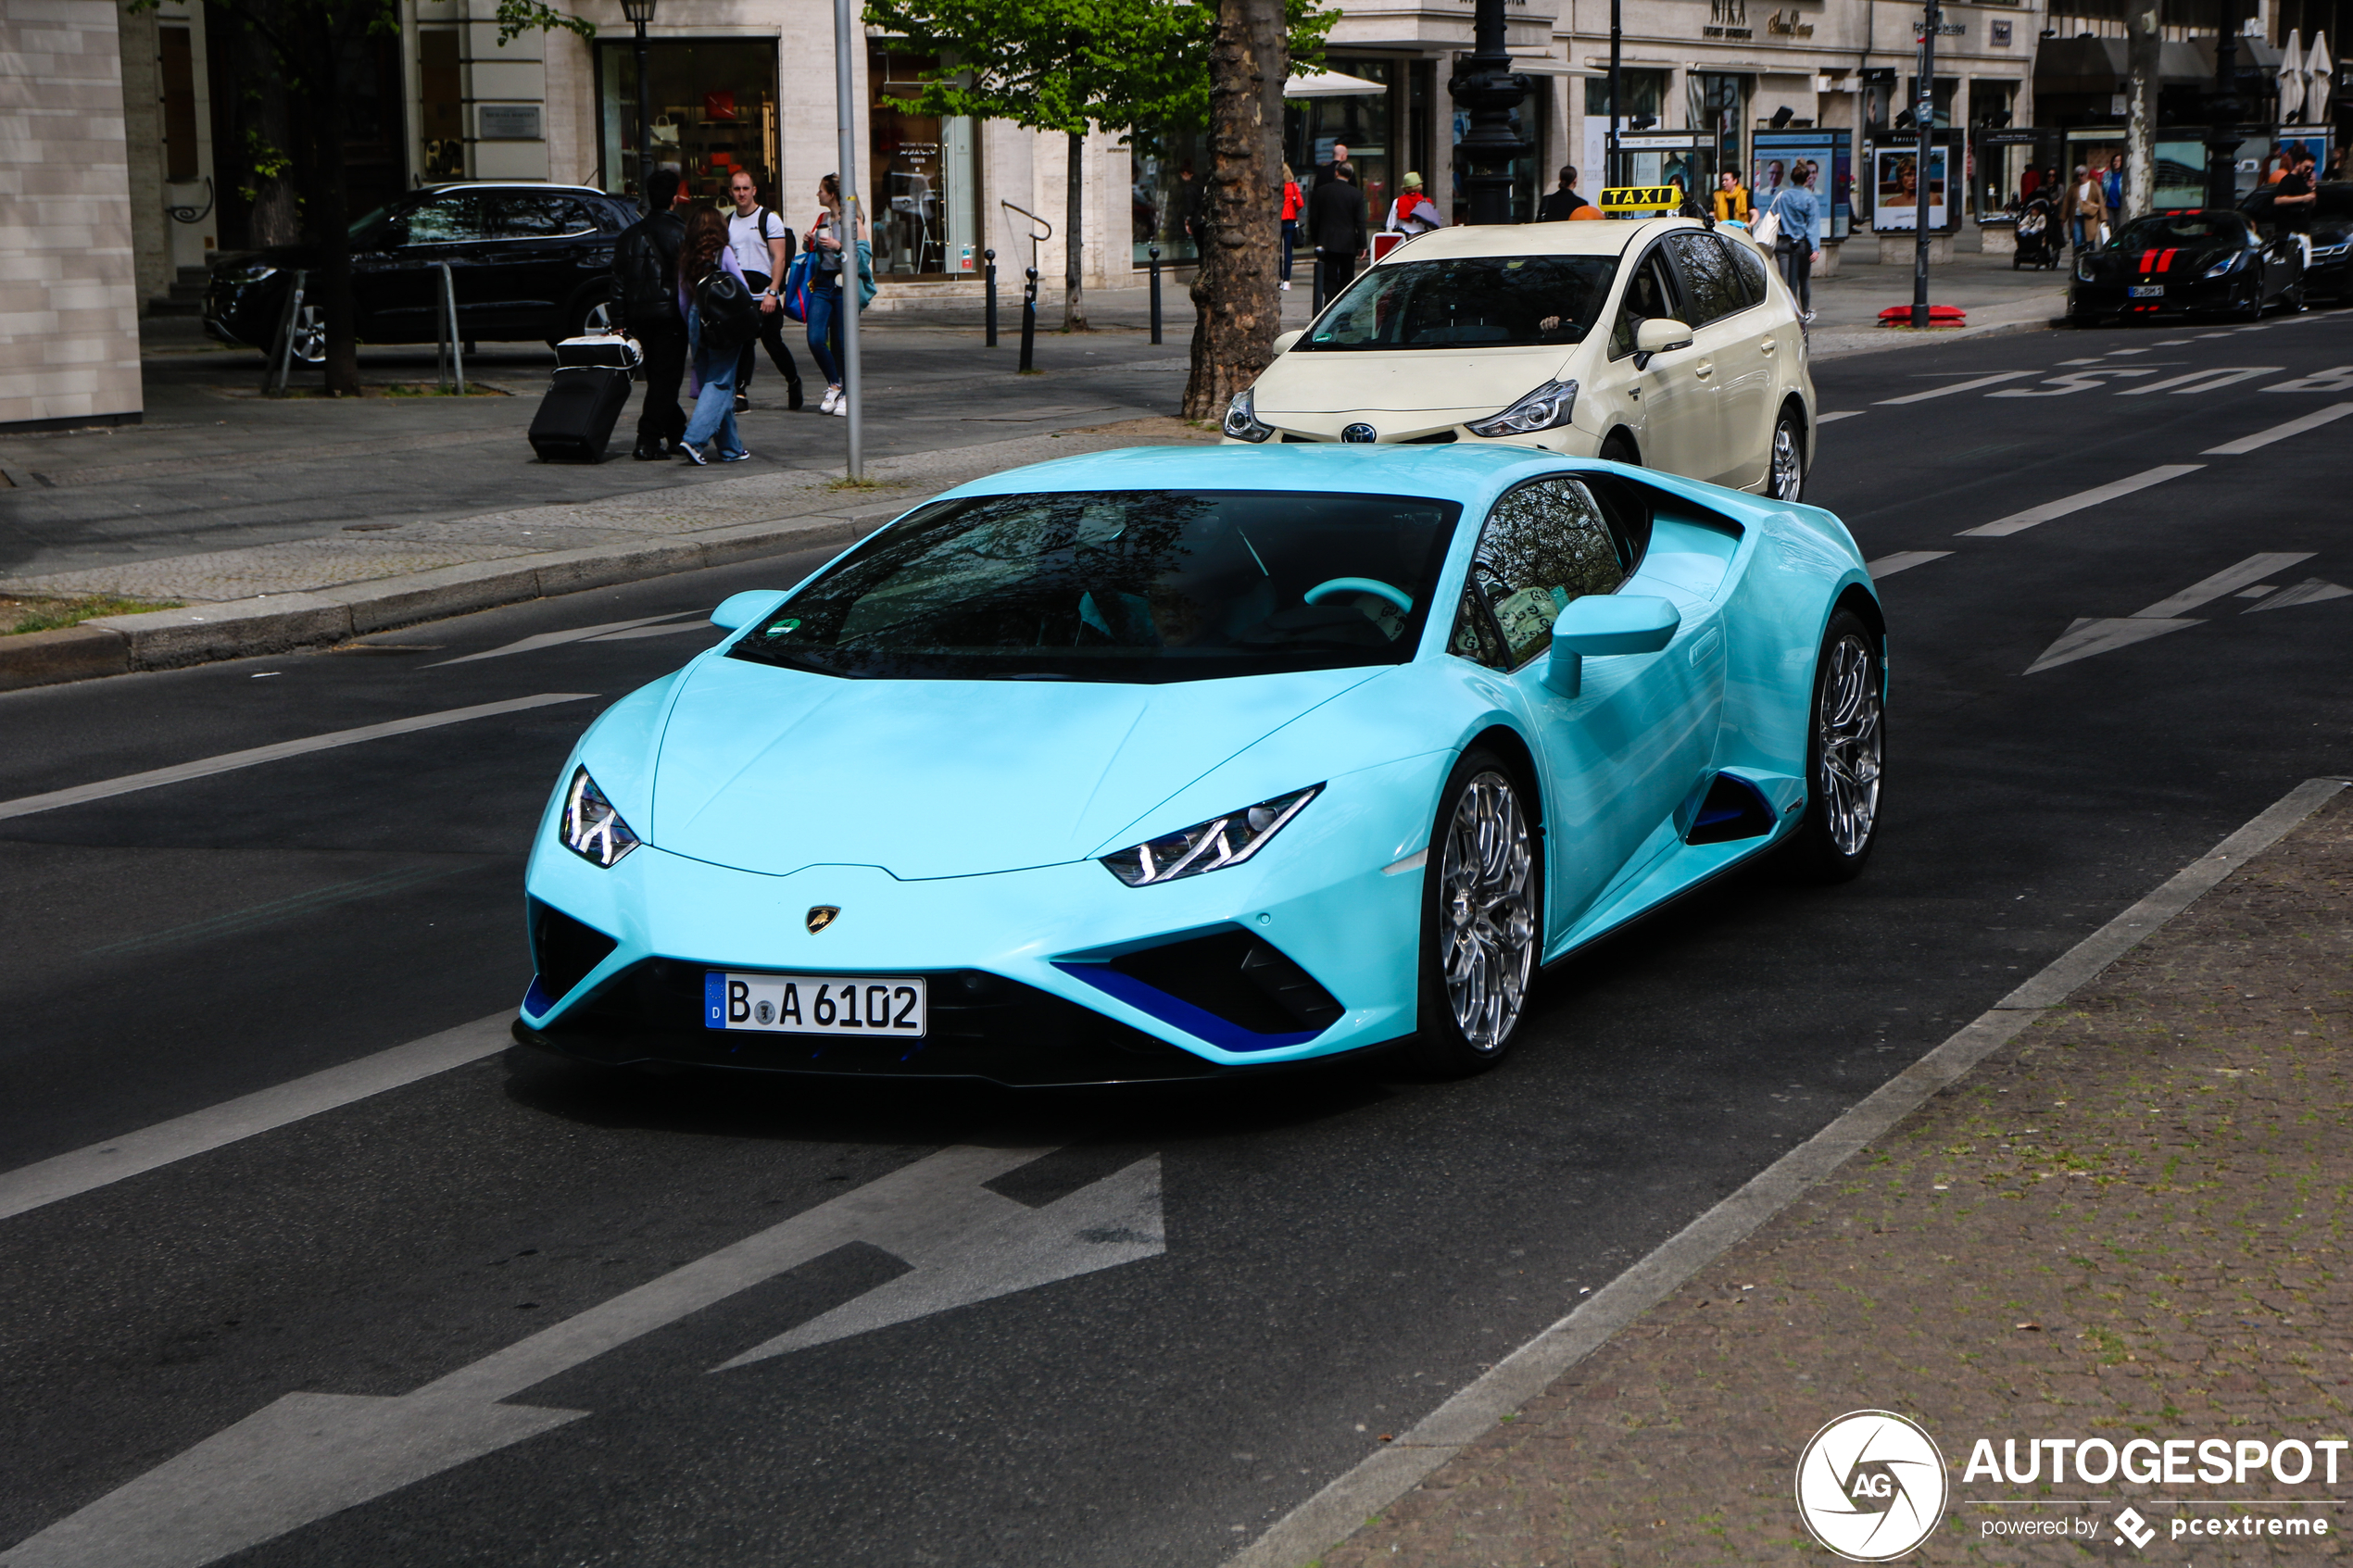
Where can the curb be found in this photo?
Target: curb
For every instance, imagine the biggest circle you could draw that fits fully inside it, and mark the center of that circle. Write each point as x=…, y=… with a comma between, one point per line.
x=170, y=639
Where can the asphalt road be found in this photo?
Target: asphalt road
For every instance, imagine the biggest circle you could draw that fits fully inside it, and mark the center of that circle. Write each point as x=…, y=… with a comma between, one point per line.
x=1340, y=1252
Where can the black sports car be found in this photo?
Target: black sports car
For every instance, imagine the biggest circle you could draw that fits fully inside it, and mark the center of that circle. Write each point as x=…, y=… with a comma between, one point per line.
x=2203, y=259
x=2330, y=273
x=526, y=261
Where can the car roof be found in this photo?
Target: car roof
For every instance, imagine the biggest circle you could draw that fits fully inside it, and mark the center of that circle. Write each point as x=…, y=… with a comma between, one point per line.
x=513, y=186
x=1456, y=471
x=1607, y=237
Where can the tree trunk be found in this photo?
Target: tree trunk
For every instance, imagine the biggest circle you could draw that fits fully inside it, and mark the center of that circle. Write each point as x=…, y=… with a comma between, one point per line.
x=2142, y=48
x=1074, y=255
x=319, y=171
x=1238, y=309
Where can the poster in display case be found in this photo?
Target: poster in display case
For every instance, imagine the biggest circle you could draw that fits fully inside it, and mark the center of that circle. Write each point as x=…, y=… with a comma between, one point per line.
x=1832, y=156
x=1895, y=190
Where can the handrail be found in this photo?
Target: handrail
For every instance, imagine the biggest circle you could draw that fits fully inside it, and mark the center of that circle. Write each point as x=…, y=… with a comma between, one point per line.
x=1035, y=237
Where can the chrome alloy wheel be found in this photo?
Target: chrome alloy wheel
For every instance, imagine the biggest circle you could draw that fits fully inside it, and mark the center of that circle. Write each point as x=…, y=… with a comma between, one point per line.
x=310, y=335
x=1846, y=723
x=1789, y=467
x=1486, y=912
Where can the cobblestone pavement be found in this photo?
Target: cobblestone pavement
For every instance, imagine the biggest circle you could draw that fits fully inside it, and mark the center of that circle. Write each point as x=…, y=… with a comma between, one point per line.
x=2128, y=1222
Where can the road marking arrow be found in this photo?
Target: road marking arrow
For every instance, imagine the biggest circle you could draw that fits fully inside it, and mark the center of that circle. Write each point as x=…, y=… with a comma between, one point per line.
x=2087, y=636
x=311, y=1455
x=2311, y=590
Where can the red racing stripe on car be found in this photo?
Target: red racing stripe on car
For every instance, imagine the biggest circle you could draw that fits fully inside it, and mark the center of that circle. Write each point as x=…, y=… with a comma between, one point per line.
x=2165, y=262
x=2147, y=260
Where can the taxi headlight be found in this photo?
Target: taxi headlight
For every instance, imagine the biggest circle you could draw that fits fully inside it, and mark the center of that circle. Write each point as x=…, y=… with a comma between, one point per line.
x=591, y=828
x=1548, y=406
x=1241, y=418
x=1207, y=846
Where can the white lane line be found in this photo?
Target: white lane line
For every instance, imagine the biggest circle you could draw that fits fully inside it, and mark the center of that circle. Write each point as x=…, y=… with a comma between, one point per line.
x=1338, y=1510
x=1958, y=386
x=2203, y=381
x=1841, y=414
x=229, y=761
x=1902, y=561
x=2018, y=522
x=539, y=640
x=2296, y=426
x=84, y=1170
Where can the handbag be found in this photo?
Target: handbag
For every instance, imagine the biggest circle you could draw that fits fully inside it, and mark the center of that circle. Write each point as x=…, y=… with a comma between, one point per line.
x=1767, y=228
x=796, y=290
x=730, y=318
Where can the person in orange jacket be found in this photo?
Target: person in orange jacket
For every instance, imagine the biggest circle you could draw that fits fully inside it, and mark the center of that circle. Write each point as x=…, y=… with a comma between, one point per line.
x=1293, y=203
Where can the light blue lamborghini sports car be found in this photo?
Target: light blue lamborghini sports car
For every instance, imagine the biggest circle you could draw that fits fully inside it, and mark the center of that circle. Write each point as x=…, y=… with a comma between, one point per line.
x=1180, y=763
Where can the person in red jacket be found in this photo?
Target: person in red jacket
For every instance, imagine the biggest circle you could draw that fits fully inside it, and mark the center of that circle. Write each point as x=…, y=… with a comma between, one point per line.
x=1294, y=204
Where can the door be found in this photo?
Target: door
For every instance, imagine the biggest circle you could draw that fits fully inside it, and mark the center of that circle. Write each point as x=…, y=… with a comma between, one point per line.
x=1732, y=331
x=1620, y=757
x=531, y=261
x=403, y=281
x=1675, y=391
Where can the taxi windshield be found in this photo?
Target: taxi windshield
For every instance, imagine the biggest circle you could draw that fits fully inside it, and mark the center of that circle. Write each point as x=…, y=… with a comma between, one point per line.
x=1468, y=302
x=2184, y=229
x=1146, y=586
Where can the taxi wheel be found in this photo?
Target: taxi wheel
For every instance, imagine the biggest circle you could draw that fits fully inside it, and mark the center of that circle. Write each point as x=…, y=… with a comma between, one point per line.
x=1788, y=458
x=1618, y=449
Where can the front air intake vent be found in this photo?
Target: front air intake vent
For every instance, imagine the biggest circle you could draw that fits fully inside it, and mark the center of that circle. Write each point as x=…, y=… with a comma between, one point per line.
x=563, y=950
x=1231, y=989
x=1732, y=810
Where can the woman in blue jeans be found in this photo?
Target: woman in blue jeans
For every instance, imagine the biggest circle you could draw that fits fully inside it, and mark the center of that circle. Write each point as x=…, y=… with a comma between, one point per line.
x=711, y=372
x=832, y=257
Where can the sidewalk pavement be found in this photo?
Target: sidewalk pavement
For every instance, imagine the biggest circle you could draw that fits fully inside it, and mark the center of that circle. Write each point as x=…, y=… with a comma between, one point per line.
x=144, y=512
x=1996, y=298
x=2128, y=1221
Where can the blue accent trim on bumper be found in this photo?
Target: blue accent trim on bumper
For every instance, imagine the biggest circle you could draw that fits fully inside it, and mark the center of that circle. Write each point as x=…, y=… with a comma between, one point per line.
x=1196, y=1021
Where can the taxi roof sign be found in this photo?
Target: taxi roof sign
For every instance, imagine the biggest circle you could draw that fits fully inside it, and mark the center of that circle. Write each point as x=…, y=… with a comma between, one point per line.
x=1644, y=198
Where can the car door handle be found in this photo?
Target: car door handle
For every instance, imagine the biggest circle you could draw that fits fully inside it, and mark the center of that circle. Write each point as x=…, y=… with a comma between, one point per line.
x=1766, y=346
x=1705, y=368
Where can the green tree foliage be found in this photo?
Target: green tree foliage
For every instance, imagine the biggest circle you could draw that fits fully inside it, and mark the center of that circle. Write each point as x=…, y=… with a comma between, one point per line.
x=1137, y=67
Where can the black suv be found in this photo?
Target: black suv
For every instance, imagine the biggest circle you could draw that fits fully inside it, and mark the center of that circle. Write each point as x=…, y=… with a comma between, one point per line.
x=526, y=261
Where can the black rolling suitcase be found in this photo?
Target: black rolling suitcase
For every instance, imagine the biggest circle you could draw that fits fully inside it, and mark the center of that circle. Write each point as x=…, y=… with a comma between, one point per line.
x=585, y=399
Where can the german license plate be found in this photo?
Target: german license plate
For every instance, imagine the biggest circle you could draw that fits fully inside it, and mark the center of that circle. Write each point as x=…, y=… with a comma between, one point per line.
x=2146, y=291
x=862, y=1006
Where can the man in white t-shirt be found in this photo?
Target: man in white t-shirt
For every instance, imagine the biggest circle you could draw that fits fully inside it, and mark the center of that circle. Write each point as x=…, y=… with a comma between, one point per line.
x=763, y=249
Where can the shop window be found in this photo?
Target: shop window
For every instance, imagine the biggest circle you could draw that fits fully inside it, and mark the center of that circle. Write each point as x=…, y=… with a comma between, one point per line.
x=715, y=108
x=441, y=104
x=179, y=71
x=1363, y=122
x=923, y=192
x=1168, y=182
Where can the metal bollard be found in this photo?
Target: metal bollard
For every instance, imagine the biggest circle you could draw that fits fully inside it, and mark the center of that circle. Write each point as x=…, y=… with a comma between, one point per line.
x=1315, y=290
x=1155, y=255
x=1029, y=317
x=989, y=274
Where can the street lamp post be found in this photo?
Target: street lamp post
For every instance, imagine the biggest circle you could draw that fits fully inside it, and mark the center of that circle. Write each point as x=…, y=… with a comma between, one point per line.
x=1924, y=123
x=1488, y=87
x=845, y=124
x=2224, y=110
x=640, y=13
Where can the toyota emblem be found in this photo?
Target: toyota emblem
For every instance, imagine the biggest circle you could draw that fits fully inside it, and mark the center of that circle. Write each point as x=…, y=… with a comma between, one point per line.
x=1360, y=433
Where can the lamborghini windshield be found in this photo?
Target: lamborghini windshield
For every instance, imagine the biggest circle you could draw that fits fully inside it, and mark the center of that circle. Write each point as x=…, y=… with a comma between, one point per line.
x=1468, y=302
x=1149, y=586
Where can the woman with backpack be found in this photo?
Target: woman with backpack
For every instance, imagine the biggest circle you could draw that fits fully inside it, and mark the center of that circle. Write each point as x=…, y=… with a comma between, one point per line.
x=829, y=248
x=714, y=298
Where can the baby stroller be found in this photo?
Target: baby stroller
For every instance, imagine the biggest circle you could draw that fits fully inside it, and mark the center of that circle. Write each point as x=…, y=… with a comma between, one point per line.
x=2038, y=236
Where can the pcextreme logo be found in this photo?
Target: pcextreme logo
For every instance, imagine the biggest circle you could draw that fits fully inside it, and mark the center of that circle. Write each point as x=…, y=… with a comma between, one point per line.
x=1871, y=1485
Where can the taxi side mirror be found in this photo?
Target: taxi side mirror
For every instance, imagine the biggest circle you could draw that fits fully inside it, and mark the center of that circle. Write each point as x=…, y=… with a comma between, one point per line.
x=1605, y=623
x=1284, y=340
x=1659, y=334
x=739, y=610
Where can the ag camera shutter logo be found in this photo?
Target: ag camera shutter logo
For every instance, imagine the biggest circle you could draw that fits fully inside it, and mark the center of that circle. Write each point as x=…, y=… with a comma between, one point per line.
x=1871, y=1485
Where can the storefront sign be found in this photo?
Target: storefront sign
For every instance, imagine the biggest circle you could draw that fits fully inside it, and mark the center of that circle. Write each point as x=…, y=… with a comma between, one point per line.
x=507, y=122
x=1789, y=24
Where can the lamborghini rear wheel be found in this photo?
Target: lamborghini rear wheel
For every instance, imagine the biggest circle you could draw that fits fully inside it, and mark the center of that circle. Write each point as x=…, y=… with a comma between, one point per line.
x=1483, y=917
x=1847, y=749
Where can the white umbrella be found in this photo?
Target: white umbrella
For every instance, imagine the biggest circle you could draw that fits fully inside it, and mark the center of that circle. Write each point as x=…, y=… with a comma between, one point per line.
x=2291, y=76
x=1331, y=84
x=2320, y=74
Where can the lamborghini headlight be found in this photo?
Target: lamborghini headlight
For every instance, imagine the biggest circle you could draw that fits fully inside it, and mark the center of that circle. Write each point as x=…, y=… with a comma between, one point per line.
x=592, y=829
x=1548, y=406
x=2228, y=264
x=1208, y=846
x=1241, y=418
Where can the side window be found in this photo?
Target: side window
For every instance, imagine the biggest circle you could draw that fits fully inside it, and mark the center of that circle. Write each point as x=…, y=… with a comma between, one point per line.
x=446, y=220
x=1651, y=292
x=1711, y=285
x=1474, y=634
x=1752, y=271
x=524, y=216
x=1544, y=545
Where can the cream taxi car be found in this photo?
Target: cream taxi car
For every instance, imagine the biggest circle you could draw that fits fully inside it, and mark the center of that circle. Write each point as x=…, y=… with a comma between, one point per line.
x=1659, y=342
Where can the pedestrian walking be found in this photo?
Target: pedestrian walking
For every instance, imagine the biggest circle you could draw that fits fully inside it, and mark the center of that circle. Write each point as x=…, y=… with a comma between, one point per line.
x=1797, y=212
x=645, y=307
x=2112, y=183
x=1294, y=204
x=1731, y=199
x=1564, y=204
x=706, y=264
x=1411, y=213
x=2085, y=211
x=833, y=255
x=763, y=248
x=1326, y=172
x=1336, y=222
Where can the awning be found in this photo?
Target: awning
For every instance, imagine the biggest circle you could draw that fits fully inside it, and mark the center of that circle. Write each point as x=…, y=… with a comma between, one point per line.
x=2098, y=65
x=1331, y=84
